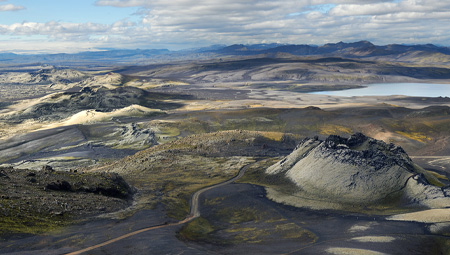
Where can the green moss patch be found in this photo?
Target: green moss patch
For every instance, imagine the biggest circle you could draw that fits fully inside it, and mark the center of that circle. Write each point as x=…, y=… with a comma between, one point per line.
x=196, y=230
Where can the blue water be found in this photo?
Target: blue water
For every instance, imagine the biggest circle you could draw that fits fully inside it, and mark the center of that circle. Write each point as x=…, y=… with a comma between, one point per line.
x=389, y=89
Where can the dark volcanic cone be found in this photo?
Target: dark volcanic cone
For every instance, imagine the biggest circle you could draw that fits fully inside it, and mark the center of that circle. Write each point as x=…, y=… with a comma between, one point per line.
x=358, y=170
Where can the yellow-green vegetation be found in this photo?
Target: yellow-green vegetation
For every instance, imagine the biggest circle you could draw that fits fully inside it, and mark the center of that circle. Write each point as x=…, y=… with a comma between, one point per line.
x=414, y=125
x=276, y=232
x=276, y=136
x=165, y=131
x=185, y=176
x=234, y=225
x=31, y=224
x=251, y=225
x=420, y=58
x=167, y=134
x=252, y=119
x=437, y=175
x=215, y=144
x=196, y=230
x=234, y=216
x=214, y=201
x=248, y=235
x=431, y=176
x=170, y=173
x=193, y=126
x=253, y=124
x=423, y=128
x=331, y=129
x=293, y=231
x=170, y=178
x=414, y=136
x=237, y=230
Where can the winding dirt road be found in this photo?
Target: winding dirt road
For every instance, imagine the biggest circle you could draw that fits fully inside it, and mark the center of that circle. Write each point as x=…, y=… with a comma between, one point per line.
x=194, y=212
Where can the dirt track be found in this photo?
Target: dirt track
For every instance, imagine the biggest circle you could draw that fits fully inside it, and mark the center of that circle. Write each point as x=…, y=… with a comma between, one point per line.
x=194, y=212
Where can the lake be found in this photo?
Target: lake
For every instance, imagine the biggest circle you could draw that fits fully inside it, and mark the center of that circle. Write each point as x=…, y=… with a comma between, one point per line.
x=389, y=89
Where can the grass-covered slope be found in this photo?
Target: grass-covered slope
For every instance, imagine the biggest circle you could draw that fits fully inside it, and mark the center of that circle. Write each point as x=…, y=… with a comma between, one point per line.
x=168, y=174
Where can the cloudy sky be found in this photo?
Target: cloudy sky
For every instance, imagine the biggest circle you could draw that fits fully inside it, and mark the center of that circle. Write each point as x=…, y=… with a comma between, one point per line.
x=79, y=25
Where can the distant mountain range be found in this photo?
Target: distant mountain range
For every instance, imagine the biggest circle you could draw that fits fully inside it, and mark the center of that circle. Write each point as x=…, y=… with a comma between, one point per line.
x=355, y=49
x=427, y=53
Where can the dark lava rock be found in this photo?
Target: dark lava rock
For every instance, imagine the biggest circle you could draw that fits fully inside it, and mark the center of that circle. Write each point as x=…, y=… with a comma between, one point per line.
x=313, y=108
x=31, y=174
x=47, y=168
x=33, y=195
x=3, y=174
x=59, y=185
x=113, y=186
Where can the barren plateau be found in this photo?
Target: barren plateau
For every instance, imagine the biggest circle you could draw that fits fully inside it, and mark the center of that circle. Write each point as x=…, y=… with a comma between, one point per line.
x=224, y=154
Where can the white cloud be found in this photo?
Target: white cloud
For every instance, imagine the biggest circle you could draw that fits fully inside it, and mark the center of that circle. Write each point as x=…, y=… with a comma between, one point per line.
x=413, y=6
x=52, y=28
x=190, y=23
x=122, y=3
x=363, y=9
x=10, y=7
x=35, y=46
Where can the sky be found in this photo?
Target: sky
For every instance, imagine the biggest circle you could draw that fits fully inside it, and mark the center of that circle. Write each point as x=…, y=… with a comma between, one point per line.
x=54, y=26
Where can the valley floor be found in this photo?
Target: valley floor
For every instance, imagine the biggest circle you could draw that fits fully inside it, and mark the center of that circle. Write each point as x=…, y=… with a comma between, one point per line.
x=256, y=225
x=170, y=138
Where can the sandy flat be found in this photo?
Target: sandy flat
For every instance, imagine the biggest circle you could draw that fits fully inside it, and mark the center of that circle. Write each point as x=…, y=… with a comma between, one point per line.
x=427, y=216
x=351, y=251
x=374, y=239
x=362, y=227
x=289, y=99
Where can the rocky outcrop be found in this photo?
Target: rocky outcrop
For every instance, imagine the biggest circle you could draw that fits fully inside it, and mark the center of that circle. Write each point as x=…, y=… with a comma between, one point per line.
x=63, y=105
x=109, y=80
x=53, y=76
x=27, y=196
x=359, y=170
x=131, y=134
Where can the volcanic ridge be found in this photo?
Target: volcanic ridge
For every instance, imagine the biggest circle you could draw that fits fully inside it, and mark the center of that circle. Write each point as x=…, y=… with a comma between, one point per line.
x=360, y=170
